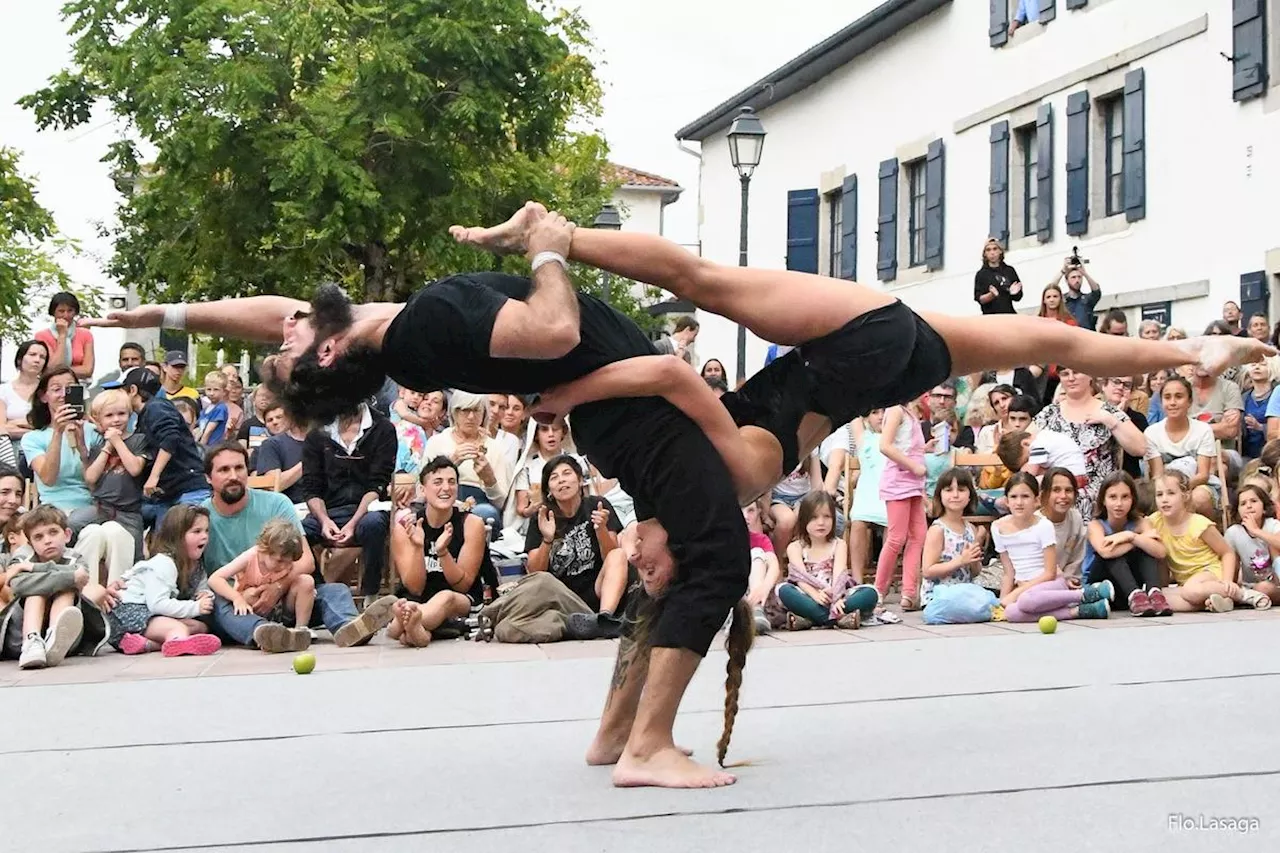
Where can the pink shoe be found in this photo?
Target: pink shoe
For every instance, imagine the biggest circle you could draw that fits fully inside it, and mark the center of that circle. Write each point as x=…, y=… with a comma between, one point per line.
x=196, y=644
x=133, y=644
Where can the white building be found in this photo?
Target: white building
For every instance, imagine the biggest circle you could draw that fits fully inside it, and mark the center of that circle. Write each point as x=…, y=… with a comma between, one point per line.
x=1123, y=127
x=642, y=199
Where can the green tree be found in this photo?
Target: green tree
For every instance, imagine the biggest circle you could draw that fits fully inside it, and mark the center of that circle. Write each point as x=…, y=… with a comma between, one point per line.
x=30, y=249
x=297, y=141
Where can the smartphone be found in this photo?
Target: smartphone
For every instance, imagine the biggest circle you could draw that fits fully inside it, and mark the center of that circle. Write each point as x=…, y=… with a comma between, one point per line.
x=75, y=399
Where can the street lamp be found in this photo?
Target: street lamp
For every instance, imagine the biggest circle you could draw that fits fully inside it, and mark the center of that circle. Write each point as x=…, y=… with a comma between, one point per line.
x=607, y=219
x=746, y=142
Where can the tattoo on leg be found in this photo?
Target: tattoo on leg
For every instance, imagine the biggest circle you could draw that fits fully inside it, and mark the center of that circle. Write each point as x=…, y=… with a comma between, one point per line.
x=633, y=660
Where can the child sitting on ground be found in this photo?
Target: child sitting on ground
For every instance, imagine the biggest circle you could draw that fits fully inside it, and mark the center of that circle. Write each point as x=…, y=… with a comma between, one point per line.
x=1036, y=454
x=952, y=547
x=47, y=582
x=150, y=616
x=765, y=570
x=818, y=589
x=265, y=583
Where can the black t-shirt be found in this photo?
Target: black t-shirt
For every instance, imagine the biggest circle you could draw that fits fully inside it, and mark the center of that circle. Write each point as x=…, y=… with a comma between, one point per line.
x=575, y=558
x=1000, y=277
x=1130, y=463
x=436, y=581
x=281, y=452
x=441, y=339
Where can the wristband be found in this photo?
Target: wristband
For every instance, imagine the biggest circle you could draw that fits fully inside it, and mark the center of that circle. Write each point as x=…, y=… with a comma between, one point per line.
x=175, y=317
x=543, y=258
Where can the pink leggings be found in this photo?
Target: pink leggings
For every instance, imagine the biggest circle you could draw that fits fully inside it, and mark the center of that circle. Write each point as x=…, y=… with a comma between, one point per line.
x=906, y=530
x=1054, y=599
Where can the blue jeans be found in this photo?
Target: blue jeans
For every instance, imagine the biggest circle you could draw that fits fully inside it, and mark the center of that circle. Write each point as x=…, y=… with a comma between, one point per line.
x=483, y=510
x=862, y=598
x=153, y=511
x=334, y=608
x=371, y=535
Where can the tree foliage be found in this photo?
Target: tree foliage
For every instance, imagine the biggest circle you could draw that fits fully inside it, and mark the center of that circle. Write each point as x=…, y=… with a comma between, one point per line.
x=30, y=250
x=297, y=141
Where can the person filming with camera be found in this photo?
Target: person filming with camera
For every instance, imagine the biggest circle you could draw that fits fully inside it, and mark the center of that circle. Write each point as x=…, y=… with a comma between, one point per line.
x=1080, y=304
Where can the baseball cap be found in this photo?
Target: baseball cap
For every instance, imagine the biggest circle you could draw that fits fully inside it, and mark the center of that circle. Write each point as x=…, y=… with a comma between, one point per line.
x=143, y=379
x=175, y=358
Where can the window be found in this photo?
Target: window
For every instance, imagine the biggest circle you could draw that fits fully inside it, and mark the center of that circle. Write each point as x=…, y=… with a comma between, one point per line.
x=1027, y=150
x=915, y=212
x=1113, y=153
x=835, y=204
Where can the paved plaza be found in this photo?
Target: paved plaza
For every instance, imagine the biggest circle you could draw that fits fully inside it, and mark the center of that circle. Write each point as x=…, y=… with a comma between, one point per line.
x=903, y=737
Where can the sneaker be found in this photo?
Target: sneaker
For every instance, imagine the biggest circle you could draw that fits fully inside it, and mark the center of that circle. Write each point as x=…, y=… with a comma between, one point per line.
x=63, y=635
x=1219, y=604
x=133, y=644
x=762, y=621
x=582, y=626
x=1100, y=609
x=196, y=644
x=1256, y=600
x=33, y=653
x=1139, y=603
x=850, y=621
x=1159, y=604
x=1098, y=592
x=361, y=629
x=274, y=639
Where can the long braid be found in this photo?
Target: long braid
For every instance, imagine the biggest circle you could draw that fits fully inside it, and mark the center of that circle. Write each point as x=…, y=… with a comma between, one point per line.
x=742, y=633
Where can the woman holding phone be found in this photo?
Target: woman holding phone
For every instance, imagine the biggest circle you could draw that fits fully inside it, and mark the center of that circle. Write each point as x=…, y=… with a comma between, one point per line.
x=58, y=445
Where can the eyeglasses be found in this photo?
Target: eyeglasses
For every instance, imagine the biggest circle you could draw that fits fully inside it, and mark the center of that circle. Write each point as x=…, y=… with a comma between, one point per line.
x=938, y=396
x=1121, y=383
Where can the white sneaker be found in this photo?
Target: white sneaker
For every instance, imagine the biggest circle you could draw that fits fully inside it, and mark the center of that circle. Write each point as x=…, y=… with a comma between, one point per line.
x=33, y=654
x=63, y=635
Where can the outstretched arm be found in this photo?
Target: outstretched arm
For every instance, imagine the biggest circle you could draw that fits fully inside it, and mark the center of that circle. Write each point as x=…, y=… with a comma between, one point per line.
x=656, y=376
x=254, y=318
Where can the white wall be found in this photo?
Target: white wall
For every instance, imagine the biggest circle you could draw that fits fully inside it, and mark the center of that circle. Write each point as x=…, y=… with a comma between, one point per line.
x=641, y=210
x=1212, y=172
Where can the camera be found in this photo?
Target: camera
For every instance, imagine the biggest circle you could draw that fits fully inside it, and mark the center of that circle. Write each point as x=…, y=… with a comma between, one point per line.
x=1076, y=260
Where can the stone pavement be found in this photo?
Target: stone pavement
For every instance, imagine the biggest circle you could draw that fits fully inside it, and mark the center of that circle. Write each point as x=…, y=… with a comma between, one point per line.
x=980, y=737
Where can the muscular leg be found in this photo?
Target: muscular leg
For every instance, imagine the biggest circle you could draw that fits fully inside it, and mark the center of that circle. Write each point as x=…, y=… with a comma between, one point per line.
x=629, y=674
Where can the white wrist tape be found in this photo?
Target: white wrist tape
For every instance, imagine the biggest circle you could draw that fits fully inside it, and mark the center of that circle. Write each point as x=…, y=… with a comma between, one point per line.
x=175, y=317
x=544, y=258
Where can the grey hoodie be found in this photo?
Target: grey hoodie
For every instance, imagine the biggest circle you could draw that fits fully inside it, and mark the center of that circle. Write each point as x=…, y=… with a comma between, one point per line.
x=49, y=579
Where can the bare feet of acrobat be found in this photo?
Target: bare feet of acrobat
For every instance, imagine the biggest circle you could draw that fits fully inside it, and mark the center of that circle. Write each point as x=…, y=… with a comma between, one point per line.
x=667, y=768
x=509, y=238
x=605, y=750
x=1215, y=353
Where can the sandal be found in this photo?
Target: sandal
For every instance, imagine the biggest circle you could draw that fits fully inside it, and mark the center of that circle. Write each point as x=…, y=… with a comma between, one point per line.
x=1255, y=599
x=850, y=621
x=798, y=623
x=910, y=605
x=887, y=617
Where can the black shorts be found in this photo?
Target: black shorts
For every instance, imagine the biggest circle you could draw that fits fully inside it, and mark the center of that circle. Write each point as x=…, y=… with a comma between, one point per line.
x=775, y=399
x=882, y=358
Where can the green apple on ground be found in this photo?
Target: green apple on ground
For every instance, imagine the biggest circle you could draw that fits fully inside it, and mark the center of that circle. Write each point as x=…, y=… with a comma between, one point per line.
x=303, y=664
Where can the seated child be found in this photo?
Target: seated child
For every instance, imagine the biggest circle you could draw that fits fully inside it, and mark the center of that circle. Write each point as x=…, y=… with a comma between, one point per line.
x=46, y=579
x=116, y=464
x=765, y=570
x=150, y=614
x=1036, y=454
x=265, y=583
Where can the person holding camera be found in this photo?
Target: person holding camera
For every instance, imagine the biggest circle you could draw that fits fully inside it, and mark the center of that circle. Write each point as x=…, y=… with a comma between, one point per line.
x=996, y=285
x=58, y=445
x=1079, y=304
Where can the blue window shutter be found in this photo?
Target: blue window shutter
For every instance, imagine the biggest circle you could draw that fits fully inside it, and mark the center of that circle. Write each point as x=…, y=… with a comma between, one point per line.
x=802, y=231
x=849, y=229
x=1248, y=49
x=1255, y=296
x=887, y=223
x=999, y=189
x=1048, y=11
x=1077, y=4
x=1044, y=173
x=1135, y=146
x=935, y=190
x=998, y=30
x=1077, y=163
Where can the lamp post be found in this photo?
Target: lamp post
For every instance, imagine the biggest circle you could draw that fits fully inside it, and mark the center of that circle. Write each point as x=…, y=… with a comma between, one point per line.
x=746, y=141
x=609, y=220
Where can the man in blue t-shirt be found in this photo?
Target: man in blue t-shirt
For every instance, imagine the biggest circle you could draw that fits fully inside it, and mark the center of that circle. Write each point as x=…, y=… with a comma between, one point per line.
x=237, y=515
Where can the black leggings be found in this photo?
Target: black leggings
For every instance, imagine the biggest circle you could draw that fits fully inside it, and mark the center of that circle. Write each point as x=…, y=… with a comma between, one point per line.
x=1134, y=570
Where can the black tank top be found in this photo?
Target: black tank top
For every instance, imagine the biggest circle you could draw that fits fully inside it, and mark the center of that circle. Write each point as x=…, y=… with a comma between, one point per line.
x=436, y=581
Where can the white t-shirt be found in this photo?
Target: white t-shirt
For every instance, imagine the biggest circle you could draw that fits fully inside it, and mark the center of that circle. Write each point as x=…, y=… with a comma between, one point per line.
x=1197, y=442
x=1054, y=450
x=16, y=407
x=1026, y=547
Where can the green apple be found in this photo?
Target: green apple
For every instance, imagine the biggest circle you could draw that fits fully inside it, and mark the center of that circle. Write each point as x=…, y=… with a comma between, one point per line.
x=1048, y=625
x=304, y=663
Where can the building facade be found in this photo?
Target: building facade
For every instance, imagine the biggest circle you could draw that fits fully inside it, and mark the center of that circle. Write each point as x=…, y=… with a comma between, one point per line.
x=1144, y=132
x=642, y=199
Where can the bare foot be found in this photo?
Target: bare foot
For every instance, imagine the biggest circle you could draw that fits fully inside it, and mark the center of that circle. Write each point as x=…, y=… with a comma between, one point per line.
x=667, y=768
x=605, y=750
x=1215, y=353
x=413, y=630
x=509, y=238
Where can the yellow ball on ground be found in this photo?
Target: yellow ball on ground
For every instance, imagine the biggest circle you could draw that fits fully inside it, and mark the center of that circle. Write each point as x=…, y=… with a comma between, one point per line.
x=304, y=664
x=1048, y=624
